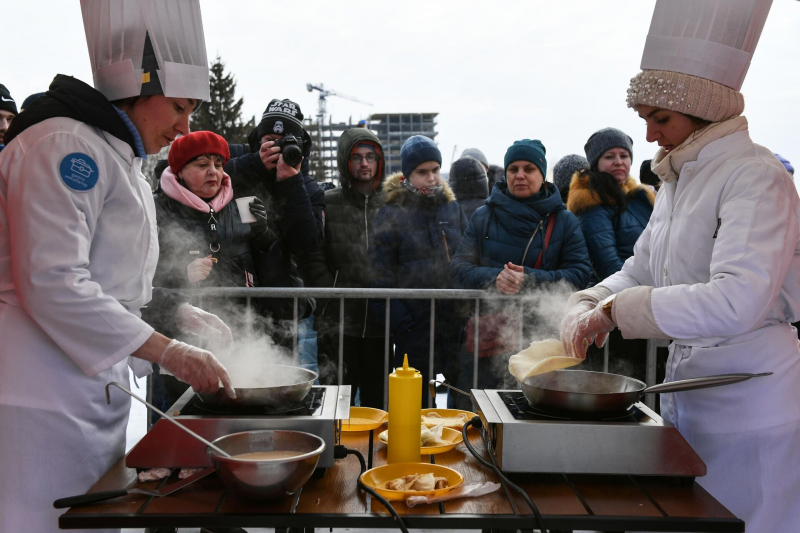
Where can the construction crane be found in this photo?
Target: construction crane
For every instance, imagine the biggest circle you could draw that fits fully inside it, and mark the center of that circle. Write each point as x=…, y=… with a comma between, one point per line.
x=325, y=93
x=322, y=148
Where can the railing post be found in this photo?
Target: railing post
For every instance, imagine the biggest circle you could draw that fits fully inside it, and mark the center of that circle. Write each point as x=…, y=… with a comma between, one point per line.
x=295, y=330
x=248, y=318
x=386, y=347
x=341, y=340
x=476, y=343
x=431, y=375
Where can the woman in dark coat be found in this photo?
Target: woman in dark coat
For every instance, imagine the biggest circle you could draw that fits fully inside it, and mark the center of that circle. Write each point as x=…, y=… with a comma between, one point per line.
x=613, y=210
x=202, y=240
x=504, y=249
x=411, y=243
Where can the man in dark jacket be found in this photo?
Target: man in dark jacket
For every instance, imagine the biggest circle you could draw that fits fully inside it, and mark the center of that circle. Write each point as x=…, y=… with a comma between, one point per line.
x=411, y=243
x=343, y=262
x=469, y=183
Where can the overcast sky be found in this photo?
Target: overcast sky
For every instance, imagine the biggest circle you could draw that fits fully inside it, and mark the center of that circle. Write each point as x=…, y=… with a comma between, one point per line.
x=556, y=70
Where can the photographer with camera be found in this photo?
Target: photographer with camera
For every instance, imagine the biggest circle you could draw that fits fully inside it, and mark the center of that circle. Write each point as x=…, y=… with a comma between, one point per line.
x=271, y=167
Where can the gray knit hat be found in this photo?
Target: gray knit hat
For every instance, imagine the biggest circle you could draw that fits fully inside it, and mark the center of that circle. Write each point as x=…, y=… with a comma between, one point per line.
x=565, y=168
x=603, y=140
x=474, y=153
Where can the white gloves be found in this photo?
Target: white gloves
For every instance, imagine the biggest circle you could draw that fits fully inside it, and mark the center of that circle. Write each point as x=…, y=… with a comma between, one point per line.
x=207, y=326
x=199, y=269
x=585, y=323
x=197, y=367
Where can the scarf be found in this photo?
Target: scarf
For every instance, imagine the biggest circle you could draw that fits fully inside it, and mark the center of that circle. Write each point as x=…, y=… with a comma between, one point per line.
x=424, y=192
x=179, y=193
x=668, y=165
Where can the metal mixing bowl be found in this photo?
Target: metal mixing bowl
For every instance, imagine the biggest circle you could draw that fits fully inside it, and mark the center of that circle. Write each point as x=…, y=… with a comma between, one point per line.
x=270, y=479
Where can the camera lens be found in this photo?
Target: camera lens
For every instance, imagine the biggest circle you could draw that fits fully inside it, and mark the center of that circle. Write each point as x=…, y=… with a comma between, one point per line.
x=292, y=155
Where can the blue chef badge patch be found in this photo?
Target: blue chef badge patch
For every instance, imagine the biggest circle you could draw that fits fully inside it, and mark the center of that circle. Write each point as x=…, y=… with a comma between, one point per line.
x=79, y=171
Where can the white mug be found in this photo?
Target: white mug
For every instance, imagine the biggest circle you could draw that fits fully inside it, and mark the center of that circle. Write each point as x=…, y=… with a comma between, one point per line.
x=244, y=209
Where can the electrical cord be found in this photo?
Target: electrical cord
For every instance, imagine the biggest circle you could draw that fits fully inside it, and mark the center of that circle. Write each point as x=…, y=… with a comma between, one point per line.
x=340, y=451
x=476, y=423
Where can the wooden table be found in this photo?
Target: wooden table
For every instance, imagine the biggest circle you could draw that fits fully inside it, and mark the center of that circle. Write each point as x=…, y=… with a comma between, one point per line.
x=567, y=502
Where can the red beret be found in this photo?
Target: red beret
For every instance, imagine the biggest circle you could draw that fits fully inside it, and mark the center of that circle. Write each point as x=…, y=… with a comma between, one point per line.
x=187, y=147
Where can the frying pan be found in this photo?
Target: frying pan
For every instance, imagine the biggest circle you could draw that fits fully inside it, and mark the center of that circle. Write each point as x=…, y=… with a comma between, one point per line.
x=598, y=394
x=274, y=386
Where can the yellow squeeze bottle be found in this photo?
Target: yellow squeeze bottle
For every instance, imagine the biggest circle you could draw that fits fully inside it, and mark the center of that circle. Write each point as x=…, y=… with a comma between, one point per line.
x=405, y=406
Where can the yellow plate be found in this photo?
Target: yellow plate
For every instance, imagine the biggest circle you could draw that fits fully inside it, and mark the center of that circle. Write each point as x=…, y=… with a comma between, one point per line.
x=364, y=419
x=377, y=478
x=452, y=435
x=446, y=413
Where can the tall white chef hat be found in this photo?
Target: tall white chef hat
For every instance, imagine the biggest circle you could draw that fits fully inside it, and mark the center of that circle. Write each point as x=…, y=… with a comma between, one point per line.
x=697, y=55
x=145, y=47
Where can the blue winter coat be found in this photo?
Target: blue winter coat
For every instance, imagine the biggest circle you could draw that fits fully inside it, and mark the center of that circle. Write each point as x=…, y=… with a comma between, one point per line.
x=499, y=232
x=610, y=235
x=411, y=243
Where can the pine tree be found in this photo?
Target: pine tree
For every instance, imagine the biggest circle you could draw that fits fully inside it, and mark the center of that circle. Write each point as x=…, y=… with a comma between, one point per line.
x=223, y=113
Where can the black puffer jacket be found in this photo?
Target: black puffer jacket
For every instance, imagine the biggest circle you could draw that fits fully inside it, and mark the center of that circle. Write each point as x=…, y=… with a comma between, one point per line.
x=469, y=183
x=184, y=234
x=344, y=261
x=295, y=211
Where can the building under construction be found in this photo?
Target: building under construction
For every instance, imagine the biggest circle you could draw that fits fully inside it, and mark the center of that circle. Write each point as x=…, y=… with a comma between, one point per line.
x=393, y=129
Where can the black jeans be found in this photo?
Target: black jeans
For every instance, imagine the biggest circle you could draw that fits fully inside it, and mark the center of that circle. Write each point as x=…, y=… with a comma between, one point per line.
x=364, y=369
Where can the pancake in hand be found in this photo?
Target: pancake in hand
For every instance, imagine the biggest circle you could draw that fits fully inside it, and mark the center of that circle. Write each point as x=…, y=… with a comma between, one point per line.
x=540, y=357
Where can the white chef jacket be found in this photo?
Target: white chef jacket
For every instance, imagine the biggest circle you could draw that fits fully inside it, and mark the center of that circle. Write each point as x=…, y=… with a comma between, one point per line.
x=722, y=250
x=78, y=250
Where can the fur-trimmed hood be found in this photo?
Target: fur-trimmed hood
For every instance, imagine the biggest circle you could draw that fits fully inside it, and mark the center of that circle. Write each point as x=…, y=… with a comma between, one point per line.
x=395, y=194
x=582, y=197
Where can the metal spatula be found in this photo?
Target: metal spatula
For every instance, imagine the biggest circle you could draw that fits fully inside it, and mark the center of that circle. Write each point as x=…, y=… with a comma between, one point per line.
x=95, y=497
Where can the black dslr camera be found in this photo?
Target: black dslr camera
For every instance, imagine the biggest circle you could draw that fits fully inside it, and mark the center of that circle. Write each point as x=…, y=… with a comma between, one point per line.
x=291, y=148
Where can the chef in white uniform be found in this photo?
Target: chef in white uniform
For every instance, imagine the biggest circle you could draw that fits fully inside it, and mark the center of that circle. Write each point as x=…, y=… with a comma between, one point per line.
x=78, y=249
x=717, y=270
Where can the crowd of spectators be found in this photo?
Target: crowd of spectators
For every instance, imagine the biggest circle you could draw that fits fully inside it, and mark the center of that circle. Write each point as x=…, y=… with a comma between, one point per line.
x=503, y=229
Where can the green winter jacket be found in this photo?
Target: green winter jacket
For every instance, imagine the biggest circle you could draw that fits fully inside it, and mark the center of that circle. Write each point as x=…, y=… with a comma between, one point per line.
x=344, y=261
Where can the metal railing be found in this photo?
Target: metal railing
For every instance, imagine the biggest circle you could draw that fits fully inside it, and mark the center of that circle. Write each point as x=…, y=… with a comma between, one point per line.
x=407, y=294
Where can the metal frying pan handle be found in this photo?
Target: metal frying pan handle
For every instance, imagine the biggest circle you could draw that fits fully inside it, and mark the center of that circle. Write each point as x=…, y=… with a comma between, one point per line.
x=701, y=383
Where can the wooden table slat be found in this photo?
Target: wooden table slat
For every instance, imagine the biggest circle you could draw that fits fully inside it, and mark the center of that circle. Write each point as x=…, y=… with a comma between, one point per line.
x=678, y=500
x=337, y=491
x=234, y=504
x=551, y=493
x=613, y=496
x=461, y=460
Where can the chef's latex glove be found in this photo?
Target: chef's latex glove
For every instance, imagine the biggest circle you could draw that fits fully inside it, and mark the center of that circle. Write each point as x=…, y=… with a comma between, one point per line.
x=569, y=326
x=591, y=326
x=207, y=326
x=197, y=367
x=199, y=269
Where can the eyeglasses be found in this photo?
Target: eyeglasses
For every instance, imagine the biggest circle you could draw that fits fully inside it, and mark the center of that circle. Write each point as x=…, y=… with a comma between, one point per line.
x=371, y=158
